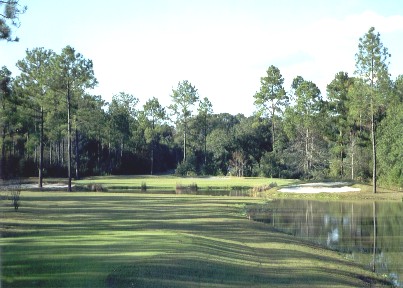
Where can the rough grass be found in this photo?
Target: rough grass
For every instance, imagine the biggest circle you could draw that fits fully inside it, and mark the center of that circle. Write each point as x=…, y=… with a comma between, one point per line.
x=90, y=239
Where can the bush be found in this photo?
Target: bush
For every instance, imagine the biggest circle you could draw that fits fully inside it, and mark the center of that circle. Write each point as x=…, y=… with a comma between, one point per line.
x=15, y=198
x=191, y=189
x=187, y=168
x=262, y=188
x=143, y=186
x=273, y=184
x=96, y=188
x=14, y=187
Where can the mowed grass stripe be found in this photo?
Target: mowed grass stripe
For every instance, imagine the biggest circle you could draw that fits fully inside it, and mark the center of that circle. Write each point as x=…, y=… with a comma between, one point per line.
x=122, y=240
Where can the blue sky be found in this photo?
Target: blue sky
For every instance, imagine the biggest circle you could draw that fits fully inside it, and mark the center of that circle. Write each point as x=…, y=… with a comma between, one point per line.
x=222, y=47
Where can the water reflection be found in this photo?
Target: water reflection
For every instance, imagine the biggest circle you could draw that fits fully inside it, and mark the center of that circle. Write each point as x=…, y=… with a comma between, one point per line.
x=209, y=192
x=369, y=232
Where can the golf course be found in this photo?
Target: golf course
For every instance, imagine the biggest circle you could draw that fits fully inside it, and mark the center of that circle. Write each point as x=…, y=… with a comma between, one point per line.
x=130, y=238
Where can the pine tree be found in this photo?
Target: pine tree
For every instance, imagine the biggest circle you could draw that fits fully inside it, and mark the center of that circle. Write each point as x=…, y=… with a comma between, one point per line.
x=372, y=70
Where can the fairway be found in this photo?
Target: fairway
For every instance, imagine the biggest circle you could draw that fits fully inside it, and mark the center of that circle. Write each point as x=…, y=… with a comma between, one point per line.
x=85, y=239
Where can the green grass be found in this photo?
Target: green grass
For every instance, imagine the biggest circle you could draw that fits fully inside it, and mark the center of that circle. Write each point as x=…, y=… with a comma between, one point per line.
x=168, y=183
x=85, y=239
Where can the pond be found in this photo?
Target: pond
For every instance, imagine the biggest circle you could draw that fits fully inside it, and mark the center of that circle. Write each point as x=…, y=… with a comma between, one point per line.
x=236, y=192
x=371, y=233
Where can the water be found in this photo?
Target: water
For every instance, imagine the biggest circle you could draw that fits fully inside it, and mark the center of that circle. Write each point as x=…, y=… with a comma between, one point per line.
x=368, y=232
x=208, y=192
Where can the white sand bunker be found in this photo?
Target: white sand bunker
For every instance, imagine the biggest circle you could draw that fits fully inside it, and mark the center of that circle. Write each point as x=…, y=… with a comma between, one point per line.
x=48, y=186
x=23, y=186
x=328, y=187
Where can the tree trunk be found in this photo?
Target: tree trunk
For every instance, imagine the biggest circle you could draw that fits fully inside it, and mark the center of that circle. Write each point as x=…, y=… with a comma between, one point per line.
x=373, y=127
x=109, y=158
x=121, y=151
x=152, y=156
x=50, y=152
x=373, y=149
x=352, y=155
x=306, y=165
x=341, y=156
x=69, y=136
x=272, y=128
x=205, y=148
x=99, y=150
x=63, y=152
x=27, y=156
x=205, y=139
x=3, y=155
x=40, y=184
x=59, y=156
x=77, y=155
x=184, y=142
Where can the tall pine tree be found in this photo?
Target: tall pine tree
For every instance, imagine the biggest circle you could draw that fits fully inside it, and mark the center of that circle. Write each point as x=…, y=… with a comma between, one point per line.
x=372, y=69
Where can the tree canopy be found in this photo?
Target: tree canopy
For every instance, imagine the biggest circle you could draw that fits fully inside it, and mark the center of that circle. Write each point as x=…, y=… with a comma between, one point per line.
x=52, y=124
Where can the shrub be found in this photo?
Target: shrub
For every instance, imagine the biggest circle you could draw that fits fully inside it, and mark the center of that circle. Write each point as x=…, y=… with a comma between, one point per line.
x=187, y=168
x=143, y=186
x=15, y=198
x=191, y=189
x=273, y=184
x=179, y=188
x=257, y=190
x=96, y=188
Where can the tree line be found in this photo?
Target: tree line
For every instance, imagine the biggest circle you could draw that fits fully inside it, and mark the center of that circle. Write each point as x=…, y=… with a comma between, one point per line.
x=52, y=126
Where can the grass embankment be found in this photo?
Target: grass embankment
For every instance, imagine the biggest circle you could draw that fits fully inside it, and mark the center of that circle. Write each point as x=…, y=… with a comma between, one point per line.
x=85, y=239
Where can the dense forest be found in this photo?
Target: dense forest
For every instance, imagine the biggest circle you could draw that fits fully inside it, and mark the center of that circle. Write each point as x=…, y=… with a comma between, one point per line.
x=52, y=126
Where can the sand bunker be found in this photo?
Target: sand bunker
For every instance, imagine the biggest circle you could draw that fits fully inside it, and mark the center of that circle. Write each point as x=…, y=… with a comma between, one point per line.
x=328, y=187
x=31, y=186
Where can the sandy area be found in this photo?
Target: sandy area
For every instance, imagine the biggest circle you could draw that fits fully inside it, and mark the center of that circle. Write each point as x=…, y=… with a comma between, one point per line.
x=32, y=186
x=328, y=187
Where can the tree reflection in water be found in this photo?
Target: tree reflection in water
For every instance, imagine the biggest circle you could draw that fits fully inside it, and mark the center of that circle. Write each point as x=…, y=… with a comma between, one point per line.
x=369, y=232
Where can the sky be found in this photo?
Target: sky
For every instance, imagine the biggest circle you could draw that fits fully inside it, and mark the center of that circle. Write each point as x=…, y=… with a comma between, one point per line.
x=223, y=47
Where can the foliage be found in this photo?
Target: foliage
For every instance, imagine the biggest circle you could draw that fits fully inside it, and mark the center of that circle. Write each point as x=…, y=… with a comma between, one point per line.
x=340, y=125
x=34, y=84
x=183, y=98
x=391, y=147
x=7, y=110
x=51, y=123
x=304, y=125
x=187, y=167
x=154, y=115
x=272, y=98
x=372, y=70
x=10, y=17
